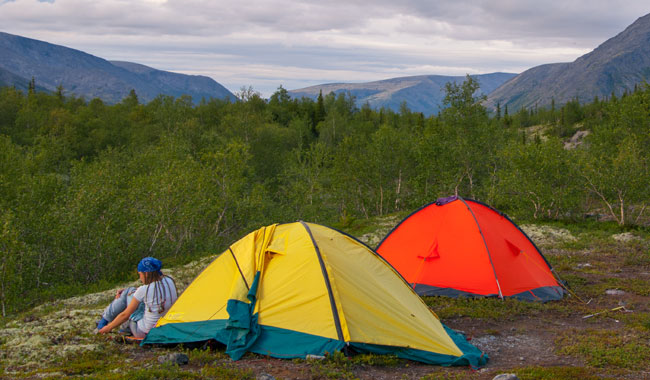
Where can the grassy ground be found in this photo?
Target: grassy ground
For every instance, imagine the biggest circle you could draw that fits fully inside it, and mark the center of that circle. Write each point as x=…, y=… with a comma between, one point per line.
x=606, y=268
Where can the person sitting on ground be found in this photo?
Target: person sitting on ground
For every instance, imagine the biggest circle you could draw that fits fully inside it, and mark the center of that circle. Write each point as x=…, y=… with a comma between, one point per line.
x=156, y=296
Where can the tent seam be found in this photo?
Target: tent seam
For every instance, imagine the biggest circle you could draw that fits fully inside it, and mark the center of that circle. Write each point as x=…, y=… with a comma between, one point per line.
x=496, y=278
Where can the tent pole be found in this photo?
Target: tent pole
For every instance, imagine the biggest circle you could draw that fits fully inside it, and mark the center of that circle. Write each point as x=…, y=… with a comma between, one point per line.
x=335, y=312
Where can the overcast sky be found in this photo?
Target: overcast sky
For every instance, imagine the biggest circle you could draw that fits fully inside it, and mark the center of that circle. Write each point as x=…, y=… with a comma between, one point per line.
x=299, y=43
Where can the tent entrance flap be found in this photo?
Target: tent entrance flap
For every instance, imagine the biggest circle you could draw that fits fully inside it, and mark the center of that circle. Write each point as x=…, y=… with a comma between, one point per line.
x=241, y=326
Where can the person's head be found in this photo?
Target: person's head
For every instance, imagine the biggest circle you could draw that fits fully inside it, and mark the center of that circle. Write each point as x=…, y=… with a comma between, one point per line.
x=149, y=270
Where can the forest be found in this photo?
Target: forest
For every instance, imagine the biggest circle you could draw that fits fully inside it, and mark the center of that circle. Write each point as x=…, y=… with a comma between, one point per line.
x=88, y=188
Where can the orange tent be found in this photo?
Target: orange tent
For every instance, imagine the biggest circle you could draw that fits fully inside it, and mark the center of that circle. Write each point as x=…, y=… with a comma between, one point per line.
x=460, y=247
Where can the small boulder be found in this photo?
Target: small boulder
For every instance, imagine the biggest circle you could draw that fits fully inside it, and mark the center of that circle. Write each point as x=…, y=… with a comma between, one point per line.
x=264, y=376
x=175, y=358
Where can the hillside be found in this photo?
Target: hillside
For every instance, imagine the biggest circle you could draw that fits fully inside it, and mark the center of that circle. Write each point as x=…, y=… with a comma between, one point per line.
x=423, y=93
x=10, y=79
x=615, y=66
x=93, y=185
x=566, y=339
x=90, y=77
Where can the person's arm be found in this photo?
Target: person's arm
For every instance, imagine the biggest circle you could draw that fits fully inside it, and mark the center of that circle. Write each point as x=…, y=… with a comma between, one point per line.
x=122, y=317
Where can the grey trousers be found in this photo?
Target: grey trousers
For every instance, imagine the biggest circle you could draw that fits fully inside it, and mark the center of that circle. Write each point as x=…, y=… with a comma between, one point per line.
x=118, y=305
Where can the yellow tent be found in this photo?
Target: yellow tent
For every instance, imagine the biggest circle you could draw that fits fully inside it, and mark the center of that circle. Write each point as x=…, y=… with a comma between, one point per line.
x=296, y=289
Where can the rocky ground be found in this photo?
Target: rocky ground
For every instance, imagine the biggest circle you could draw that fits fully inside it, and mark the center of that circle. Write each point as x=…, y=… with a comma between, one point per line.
x=601, y=331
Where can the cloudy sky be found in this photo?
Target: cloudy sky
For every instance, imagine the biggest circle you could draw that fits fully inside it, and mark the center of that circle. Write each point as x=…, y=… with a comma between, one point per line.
x=299, y=43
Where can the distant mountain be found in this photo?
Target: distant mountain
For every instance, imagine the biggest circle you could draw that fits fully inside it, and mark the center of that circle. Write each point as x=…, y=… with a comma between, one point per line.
x=613, y=67
x=92, y=77
x=7, y=78
x=422, y=93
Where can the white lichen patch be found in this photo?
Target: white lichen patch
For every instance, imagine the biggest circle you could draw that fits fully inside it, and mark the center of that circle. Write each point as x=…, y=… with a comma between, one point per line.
x=73, y=348
x=28, y=350
x=185, y=274
x=625, y=237
x=384, y=226
x=34, y=341
x=85, y=300
x=65, y=327
x=547, y=235
x=50, y=375
x=38, y=342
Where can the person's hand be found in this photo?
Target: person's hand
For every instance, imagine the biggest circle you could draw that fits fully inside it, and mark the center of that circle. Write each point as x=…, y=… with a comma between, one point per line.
x=118, y=293
x=105, y=330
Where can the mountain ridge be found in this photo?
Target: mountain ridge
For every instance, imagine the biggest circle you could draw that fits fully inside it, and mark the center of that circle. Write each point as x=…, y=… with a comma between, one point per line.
x=89, y=76
x=614, y=67
x=422, y=93
x=617, y=65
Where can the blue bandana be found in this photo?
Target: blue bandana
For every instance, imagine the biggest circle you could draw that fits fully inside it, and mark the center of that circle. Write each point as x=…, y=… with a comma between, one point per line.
x=149, y=264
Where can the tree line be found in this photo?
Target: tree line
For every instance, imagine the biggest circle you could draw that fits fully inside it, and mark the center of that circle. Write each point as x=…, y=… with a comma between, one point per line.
x=88, y=188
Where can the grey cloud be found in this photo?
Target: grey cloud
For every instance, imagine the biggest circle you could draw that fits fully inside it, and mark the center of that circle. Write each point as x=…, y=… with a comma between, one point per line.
x=337, y=40
x=521, y=19
x=467, y=20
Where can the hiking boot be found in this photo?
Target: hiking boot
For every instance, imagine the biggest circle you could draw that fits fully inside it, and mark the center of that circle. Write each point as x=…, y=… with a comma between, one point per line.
x=101, y=323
